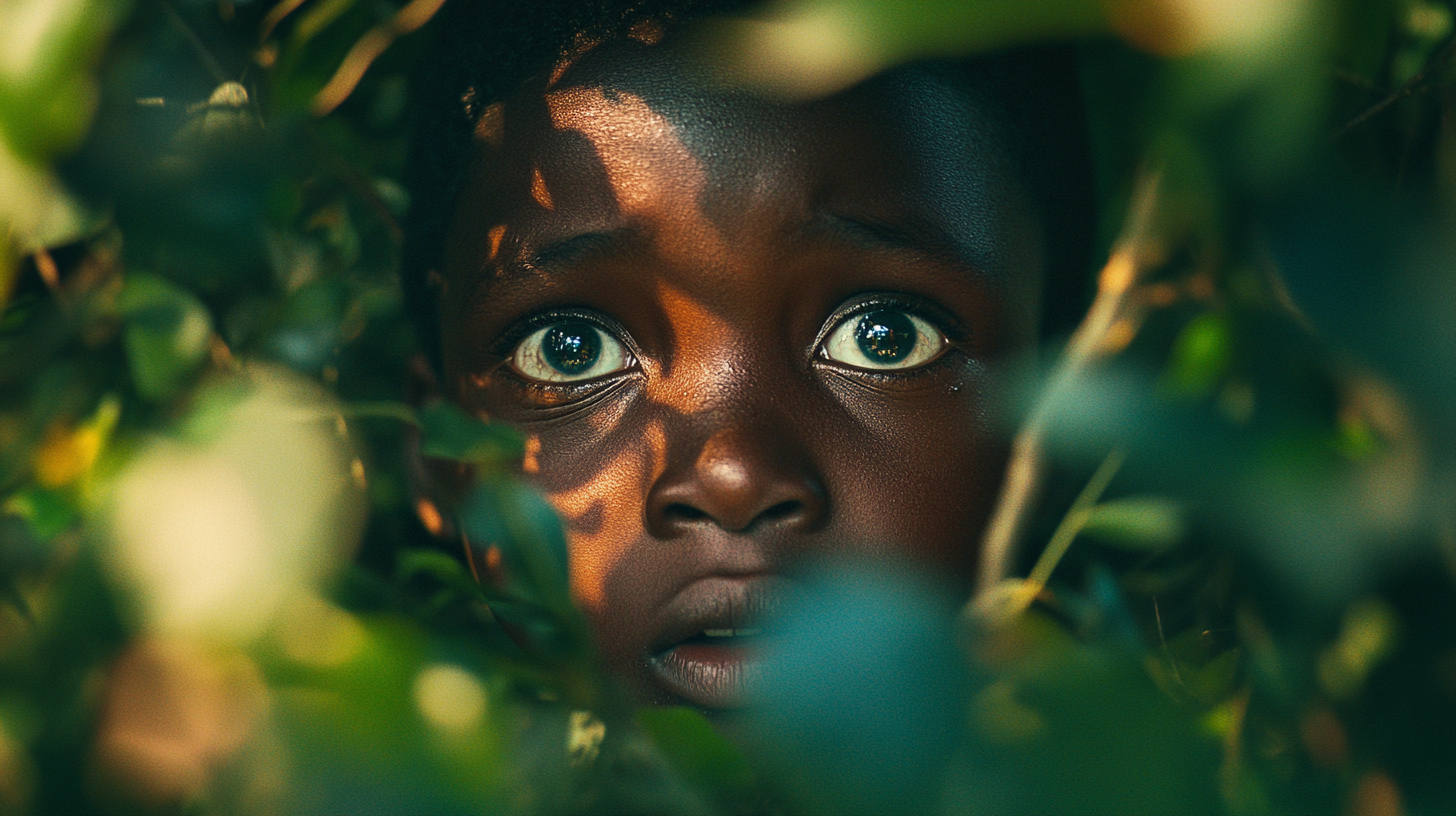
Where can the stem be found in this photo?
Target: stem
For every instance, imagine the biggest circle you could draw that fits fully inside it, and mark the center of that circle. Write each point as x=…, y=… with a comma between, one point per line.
x=1075, y=518
x=1089, y=343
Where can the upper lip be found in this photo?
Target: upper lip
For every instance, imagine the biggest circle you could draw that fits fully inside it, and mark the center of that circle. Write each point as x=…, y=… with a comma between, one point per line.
x=717, y=602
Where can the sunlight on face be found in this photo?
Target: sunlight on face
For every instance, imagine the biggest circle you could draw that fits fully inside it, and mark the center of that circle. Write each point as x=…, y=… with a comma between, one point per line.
x=600, y=531
x=737, y=335
x=652, y=173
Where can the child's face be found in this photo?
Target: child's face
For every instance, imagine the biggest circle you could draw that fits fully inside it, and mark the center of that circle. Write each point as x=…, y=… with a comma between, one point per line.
x=737, y=335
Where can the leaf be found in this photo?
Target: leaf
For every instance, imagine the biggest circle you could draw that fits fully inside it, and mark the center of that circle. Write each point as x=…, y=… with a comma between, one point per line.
x=1146, y=523
x=438, y=565
x=518, y=533
x=697, y=751
x=166, y=335
x=518, y=520
x=450, y=433
x=1201, y=356
x=46, y=511
x=47, y=50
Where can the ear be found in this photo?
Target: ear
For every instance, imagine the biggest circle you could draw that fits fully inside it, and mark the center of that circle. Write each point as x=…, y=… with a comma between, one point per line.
x=436, y=485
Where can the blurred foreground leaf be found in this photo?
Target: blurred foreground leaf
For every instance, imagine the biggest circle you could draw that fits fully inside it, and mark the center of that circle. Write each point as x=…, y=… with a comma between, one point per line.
x=450, y=433
x=1150, y=524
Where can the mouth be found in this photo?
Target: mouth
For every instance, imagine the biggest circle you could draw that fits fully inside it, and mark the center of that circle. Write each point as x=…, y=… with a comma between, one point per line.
x=711, y=669
x=713, y=652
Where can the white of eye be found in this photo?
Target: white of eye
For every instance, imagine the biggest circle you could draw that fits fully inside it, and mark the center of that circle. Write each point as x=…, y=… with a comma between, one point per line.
x=569, y=351
x=884, y=339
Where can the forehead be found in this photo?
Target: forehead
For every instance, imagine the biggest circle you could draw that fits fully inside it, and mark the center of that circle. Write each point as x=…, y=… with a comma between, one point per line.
x=635, y=133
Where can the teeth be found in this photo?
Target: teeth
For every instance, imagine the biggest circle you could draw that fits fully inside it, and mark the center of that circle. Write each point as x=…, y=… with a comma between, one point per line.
x=719, y=633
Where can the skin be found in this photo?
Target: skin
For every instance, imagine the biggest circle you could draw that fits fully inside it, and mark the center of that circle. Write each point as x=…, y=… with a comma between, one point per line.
x=722, y=239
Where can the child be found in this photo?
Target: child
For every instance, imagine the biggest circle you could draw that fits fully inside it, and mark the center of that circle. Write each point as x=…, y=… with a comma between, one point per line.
x=736, y=333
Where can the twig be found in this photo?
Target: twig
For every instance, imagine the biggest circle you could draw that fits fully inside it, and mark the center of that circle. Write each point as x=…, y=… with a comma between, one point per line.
x=1024, y=471
x=1006, y=600
x=208, y=61
x=1409, y=87
x=1163, y=641
x=368, y=49
x=1075, y=519
x=49, y=272
x=275, y=16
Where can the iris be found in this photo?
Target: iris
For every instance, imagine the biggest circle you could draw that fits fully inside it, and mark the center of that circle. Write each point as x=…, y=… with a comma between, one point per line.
x=886, y=336
x=571, y=347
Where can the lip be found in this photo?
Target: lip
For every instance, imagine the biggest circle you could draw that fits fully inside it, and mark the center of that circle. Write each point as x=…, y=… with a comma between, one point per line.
x=694, y=659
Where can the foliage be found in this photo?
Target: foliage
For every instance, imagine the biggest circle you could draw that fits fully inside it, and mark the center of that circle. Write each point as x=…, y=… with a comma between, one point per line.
x=218, y=595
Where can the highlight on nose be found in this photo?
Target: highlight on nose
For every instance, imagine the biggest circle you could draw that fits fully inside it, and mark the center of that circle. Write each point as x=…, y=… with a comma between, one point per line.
x=738, y=482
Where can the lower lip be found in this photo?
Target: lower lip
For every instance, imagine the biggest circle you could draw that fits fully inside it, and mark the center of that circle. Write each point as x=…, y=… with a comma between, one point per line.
x=710, y=675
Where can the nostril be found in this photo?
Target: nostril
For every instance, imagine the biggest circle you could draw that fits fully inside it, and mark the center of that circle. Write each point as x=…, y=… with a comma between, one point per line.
x=783, y=509
x=683, y=512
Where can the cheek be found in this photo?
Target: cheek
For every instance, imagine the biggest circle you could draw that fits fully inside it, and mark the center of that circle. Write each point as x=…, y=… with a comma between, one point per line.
x=920, y=481
x=599, y=496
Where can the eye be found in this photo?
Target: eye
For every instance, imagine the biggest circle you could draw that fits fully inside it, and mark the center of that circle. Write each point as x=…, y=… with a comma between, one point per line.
x=884, y=339
x=568, y=351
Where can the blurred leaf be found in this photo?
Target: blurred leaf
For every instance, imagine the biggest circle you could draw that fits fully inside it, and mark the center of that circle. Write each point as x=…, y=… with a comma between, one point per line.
x=519, y=544
x=1200, y=358
x=47, y=511
x=47, y=48
x=450, y=433
x=166, y=335
x=515, y=517
x=1147, y=523
x=698, y=751
x=807, y=48
x=1369, y=635
x=1111, y=742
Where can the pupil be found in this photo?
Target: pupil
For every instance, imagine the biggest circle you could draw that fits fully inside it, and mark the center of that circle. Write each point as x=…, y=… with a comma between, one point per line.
x=571, y=348
x=886, y=336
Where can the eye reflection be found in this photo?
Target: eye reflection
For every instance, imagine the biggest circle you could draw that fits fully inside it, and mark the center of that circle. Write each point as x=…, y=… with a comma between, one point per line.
x=568, y=351
x=884, y=339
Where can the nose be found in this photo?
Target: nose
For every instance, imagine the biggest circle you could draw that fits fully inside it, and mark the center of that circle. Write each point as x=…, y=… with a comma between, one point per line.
x=740, y=480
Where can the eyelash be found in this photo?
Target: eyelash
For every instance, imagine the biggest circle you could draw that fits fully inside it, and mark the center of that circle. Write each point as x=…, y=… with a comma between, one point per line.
x=521, y=329
x=504, y=347
x=954, y=331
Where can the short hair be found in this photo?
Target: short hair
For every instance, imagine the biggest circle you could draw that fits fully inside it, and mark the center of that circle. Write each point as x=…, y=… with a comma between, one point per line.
x=485, y=49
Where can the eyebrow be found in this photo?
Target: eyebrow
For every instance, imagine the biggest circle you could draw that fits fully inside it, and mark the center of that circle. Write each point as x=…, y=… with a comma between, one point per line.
x=910, y=234
x=556, y=256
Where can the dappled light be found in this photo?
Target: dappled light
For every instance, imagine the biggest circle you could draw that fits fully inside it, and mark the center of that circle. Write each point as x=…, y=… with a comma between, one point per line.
x=802, y=406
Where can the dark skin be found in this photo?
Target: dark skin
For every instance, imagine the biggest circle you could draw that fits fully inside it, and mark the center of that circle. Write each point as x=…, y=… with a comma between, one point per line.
x=738, y=335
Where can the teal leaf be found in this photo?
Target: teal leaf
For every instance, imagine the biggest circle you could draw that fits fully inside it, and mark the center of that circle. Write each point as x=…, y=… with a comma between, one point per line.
x=450, y=433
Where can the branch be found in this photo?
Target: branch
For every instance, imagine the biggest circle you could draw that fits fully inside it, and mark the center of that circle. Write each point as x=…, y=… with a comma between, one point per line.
x=367, y=50
x=1106, y=321
x=1447, y=50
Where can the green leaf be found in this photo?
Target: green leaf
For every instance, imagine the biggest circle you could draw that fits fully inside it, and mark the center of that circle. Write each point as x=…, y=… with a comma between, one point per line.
x=1200, y=358
x=450, y=433
x=47, y=50
x=444, y=568
x=697, y=751
x=1146, y=523
x=513, y=516
x=47, y=511
x=166, y=335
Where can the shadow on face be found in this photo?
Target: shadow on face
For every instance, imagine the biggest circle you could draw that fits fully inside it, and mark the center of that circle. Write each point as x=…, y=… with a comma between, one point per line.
x=739, y=335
